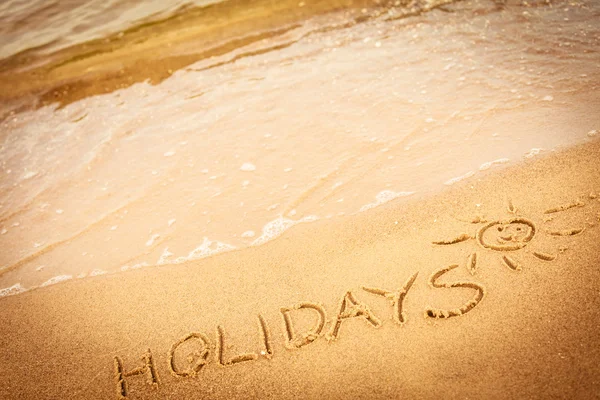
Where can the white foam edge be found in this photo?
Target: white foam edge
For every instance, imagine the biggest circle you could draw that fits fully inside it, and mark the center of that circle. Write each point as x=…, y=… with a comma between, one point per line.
x=164, y=257
x=533, y=152
x=135, y=266
x=383, y=197
x=14, y=289
x=275, y=228
x=459, y=178
x=56, y=279
x=18, y=288
x=490, y=164
x=207, y=248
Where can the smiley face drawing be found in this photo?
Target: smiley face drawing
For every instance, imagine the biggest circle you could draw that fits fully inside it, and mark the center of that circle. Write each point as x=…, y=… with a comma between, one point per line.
x=510, y=235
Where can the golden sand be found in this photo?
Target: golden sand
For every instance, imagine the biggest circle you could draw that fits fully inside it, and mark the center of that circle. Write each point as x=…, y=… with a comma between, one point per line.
x=185, y=136
x=365, y=307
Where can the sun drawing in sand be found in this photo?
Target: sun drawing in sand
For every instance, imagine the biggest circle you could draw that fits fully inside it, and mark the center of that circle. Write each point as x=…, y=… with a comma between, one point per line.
x=510, y=235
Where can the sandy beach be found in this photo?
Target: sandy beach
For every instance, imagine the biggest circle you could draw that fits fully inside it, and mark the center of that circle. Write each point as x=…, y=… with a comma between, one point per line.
x=250, y=199
x=356, y=324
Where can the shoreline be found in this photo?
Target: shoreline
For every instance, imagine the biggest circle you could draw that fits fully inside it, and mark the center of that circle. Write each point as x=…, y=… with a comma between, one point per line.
x=408, y=198
x=143, y=175
x=521, y=338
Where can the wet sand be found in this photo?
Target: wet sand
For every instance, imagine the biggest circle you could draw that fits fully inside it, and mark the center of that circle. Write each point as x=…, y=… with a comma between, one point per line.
x=371, y=305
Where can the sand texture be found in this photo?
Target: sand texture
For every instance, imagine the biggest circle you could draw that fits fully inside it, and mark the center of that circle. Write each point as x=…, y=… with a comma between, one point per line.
x=486, y=290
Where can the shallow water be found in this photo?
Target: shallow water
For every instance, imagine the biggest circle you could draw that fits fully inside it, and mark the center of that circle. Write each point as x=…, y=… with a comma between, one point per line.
x=306, y=124
x=48, y=26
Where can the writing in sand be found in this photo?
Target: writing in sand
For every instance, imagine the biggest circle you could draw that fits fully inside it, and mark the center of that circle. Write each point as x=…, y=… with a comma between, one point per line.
x=189, y=355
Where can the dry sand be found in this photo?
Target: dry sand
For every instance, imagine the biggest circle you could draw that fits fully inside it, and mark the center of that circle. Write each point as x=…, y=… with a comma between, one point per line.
x=528, y=333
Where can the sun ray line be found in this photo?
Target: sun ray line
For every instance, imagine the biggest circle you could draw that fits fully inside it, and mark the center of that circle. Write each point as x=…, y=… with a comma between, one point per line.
x=565, y=207
x=478, y=219
x=463, y=237
x=510, y=206
x=566, y=232
x=544, y=256
x=511, y=263
x=472, y=263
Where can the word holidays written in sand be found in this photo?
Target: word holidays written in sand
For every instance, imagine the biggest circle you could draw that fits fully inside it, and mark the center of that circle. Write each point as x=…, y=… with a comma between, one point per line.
x=192, y=353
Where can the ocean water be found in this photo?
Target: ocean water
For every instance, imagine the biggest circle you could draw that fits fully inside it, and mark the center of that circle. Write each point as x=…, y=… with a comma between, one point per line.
x=319, y=117
x=50, y=25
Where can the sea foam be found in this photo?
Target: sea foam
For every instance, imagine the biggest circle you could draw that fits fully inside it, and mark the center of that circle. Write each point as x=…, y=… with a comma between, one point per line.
x=276, y=227
x=459, y=178
x=207, y=248
x=14, y=289
x=383, y=197
x=56, y=279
